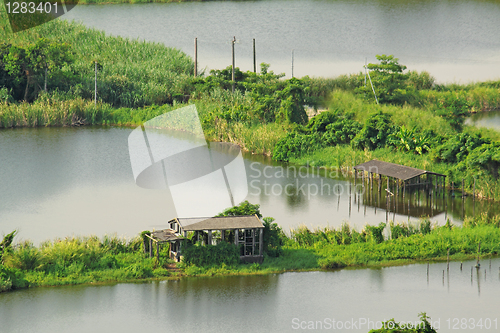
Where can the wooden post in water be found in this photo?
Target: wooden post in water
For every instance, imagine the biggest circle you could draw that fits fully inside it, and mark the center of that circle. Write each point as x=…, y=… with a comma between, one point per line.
x=195, y=57
x=448, y=261
x=350, y=199
x=409, y=208
x=427, y=272
x=478, y=251
x=461, y=266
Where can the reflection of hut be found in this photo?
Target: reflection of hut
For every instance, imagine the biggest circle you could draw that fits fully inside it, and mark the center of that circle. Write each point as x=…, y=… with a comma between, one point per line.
x=247, y=232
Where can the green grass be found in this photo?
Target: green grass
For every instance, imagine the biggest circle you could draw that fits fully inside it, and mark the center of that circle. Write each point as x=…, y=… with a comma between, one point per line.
x=53, y=111
x=80, y=260
x=135, y=73
x=409, y=116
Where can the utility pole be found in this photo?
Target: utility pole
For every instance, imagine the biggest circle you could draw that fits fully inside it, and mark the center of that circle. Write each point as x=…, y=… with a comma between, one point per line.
x=95, y=84
x=232, y=49
x=254, y=62
x=292, y=63
x=195, y=57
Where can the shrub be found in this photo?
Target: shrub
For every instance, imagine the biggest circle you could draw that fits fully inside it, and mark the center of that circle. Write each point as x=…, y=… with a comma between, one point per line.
x=341, y=131
x=375, y=132
x=245, y=208
x=11, y=278
x=376, y=232
x=209, y=255
x=273, y=237
x=296, y=144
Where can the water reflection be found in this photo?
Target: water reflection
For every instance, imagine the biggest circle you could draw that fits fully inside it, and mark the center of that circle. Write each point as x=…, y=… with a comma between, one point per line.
x=233, y=304
x=57, y=182
x=489, y=119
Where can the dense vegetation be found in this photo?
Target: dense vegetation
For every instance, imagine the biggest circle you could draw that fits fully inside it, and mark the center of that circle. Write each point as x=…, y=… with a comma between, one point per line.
x=90, y=259
x=417, y=123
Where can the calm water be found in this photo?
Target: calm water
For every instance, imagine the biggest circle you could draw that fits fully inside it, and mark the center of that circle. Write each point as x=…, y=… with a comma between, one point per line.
x=486, y=119
x=273, y=303
x=454, y=40
x=58, y=182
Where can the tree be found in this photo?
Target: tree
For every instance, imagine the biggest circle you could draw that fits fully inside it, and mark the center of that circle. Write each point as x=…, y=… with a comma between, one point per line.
x=23, y=67
x=389, y=81
x=244, y=208
x=292, y=103
x=13, y=66
x=47, y=56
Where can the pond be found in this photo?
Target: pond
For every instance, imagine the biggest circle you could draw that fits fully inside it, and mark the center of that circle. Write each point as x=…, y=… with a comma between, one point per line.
x=350, y=300
x=59, y=182
x=485, y=119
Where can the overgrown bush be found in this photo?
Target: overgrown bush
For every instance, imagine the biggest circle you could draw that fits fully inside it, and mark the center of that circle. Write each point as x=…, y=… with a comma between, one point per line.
x=11, y=278
x=295, y=144
x=209, y=255
x=274, y=238
x=375, y=132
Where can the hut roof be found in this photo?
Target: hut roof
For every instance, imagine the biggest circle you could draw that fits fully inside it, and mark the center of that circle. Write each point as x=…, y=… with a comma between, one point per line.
x=393, y=170
x=165, y=235
x=220, y=223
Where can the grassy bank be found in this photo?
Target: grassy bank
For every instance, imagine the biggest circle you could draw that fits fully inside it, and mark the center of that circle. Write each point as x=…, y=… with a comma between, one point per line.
x=131, y=73
x=111, y=259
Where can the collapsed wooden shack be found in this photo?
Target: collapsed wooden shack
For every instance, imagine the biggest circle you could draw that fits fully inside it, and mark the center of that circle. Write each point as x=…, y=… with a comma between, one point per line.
x=405, y=180
x=402, y=176
x=246, y=232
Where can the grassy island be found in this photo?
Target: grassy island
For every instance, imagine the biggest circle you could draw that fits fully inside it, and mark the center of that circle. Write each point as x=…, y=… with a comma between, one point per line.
x=80, y=260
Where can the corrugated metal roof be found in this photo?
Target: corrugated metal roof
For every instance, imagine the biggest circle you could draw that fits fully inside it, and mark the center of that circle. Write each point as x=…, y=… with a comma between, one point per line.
x=220, y=223
x=393, y=170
